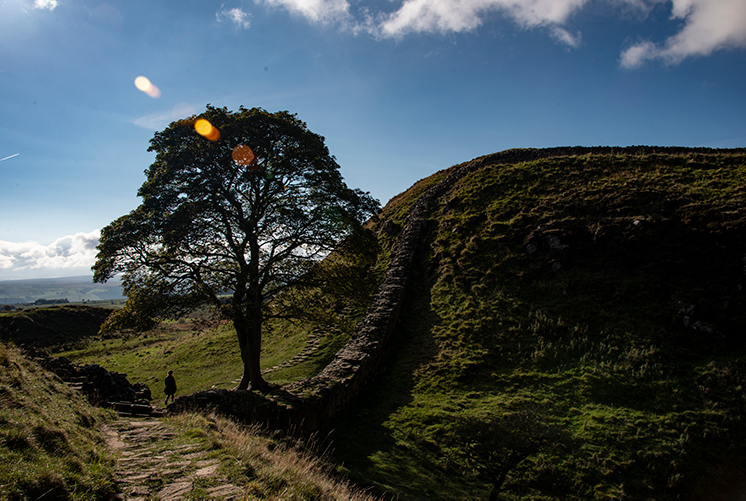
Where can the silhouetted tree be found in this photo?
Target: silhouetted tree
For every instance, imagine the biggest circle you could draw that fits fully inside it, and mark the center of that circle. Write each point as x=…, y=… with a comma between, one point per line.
x=236, y=207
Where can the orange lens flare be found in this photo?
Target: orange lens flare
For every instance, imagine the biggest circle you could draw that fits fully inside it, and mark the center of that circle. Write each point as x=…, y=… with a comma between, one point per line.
x=243, y=155
x=143, y=84
x=205, y=128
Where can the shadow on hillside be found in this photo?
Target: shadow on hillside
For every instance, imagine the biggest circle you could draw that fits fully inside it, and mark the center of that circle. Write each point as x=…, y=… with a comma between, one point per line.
x=364, y=429
x=53, y=325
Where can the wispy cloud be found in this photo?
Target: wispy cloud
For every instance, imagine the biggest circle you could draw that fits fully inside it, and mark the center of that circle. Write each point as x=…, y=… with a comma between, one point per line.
x=709, y=25
x=317, y=11
x=45, y=4
x=69, y=252
x=241, y=19
x=154, y=121
x=562, y=35
x=160, y=119
x=455, y=16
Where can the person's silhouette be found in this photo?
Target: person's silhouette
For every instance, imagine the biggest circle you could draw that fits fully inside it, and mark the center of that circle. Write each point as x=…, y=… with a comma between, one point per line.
x=170, y=387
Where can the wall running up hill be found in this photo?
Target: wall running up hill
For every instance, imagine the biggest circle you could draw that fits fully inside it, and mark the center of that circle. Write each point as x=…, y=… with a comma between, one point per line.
x=307, y=404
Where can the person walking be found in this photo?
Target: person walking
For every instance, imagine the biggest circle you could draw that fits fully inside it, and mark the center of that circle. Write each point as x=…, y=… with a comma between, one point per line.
x=170, y=387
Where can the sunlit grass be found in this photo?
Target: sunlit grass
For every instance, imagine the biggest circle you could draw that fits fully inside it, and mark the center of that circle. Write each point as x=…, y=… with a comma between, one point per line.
x=208, y=357
x=50, y=442
x=264, y=467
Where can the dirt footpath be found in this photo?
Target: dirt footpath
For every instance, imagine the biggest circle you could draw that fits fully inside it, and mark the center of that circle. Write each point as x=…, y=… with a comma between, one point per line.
x=153, y=462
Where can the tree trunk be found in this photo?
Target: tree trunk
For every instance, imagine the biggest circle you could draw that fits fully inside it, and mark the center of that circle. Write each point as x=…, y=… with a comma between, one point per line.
x=497, y=485
x=249, y=332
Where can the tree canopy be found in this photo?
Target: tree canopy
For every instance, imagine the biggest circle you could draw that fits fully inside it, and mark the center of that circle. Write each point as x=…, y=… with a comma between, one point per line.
x=236, y=207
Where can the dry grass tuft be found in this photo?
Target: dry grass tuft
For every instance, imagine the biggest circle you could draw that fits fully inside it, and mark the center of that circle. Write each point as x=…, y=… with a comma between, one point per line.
x=274, y=469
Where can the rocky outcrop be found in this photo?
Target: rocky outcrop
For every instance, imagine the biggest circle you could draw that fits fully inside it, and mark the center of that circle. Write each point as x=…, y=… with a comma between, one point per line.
x=101, y=387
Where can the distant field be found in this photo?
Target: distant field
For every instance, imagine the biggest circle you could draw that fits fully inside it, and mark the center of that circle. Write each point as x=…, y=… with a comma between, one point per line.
x=74, y=289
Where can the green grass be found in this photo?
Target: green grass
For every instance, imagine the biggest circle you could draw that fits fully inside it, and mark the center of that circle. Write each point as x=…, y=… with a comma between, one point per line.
x=52, y=447
x=204, y=358
x=605, y=297
x=560, y=287
x=199, y=358
x=52, y=326
x=50, y=442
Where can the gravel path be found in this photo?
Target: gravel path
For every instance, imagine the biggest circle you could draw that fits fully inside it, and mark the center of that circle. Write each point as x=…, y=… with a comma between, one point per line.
x=153, y=462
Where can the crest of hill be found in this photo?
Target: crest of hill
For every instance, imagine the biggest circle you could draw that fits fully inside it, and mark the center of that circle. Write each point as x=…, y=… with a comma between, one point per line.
x=603, y=291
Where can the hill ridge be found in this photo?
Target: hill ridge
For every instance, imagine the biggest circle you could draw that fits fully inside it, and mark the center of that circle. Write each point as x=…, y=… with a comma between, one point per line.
x=313, y=401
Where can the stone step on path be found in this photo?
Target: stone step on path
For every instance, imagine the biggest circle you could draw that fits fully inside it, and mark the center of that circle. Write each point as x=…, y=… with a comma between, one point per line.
x=156, y=462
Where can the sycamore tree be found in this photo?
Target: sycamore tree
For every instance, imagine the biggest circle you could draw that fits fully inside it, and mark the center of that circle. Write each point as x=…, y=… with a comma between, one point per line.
x=237, y=207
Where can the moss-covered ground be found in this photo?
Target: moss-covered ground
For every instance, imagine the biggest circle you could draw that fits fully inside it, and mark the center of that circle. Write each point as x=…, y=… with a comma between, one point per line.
x=600, y=297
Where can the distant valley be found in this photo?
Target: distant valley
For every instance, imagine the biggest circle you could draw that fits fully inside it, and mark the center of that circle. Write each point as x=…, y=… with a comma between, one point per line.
x=74, y=289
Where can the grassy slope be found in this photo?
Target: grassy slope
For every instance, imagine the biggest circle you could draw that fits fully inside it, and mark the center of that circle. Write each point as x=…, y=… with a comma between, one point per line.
x=202, y=358
x=265, y=468
x=630, y=340
x=52, y=447
x=50, y=442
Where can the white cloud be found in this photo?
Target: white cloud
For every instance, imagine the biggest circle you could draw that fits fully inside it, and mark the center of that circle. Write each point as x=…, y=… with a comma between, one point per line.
x=567, y=38
x=710, y=25
x=45, y=4
x=418, y=16
x=69, y=252
x=238, y=17
x=317, y=11
x=637, y=54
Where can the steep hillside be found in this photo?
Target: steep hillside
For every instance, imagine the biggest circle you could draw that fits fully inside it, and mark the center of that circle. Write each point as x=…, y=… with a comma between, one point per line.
x=51, y=445
x=574, y=327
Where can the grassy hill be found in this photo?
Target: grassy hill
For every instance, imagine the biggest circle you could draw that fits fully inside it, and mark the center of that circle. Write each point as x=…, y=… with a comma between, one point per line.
x=575, y=328
x=53, y=326
x=51, y=443
x=52, y=446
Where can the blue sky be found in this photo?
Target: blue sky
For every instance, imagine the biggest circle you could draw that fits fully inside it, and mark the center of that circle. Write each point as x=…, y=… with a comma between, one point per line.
x=400, y=89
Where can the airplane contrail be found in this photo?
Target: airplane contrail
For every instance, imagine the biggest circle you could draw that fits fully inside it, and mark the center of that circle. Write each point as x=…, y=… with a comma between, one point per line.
x=1, y=159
